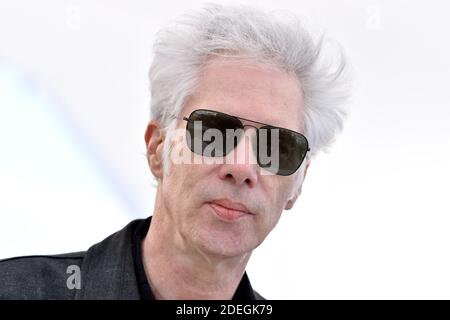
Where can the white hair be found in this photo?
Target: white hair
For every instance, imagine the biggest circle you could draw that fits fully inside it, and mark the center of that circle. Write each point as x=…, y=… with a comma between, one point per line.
x=184, y=46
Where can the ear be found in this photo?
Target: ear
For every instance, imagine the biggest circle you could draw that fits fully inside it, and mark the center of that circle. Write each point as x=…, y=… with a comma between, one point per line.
x=154, y=139
x=290, y=203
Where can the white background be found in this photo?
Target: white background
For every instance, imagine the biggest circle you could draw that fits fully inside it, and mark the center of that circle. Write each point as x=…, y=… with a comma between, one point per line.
x=373, y=220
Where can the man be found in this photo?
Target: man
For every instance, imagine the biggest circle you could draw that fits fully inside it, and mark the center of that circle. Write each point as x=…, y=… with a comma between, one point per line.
x=247, y=94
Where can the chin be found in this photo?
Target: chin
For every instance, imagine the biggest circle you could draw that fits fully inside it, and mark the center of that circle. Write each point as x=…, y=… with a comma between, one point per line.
x=215, y=237
x=224, y=245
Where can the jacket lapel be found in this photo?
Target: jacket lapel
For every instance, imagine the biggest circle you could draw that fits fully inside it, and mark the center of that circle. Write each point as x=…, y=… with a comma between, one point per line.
x=107, y=272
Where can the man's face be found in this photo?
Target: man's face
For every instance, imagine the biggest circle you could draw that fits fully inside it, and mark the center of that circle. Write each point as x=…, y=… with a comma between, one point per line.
x=261, y=93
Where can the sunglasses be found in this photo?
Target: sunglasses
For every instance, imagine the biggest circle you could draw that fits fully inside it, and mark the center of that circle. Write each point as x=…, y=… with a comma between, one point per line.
x=278, y=150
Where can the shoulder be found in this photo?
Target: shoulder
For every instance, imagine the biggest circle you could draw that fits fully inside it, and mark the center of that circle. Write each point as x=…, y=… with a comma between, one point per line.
x=39, y=276
x=104, y=271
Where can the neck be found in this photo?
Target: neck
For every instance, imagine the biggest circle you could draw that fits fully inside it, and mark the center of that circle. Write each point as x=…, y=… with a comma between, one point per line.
x=177, y=271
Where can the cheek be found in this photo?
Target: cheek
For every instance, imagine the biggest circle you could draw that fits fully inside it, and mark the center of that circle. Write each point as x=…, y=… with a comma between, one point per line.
x=175, y=184
x=281, y=190
x=278, y=195
x=183, y=188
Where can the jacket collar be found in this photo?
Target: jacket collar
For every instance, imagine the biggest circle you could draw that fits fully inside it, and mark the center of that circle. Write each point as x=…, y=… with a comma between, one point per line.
x=107, y=272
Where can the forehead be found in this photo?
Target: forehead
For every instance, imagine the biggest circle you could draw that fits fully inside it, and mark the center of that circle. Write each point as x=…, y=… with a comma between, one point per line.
x=253, y=91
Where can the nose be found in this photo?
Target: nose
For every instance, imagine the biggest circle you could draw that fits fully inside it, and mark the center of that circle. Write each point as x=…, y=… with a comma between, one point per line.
x=240, y=165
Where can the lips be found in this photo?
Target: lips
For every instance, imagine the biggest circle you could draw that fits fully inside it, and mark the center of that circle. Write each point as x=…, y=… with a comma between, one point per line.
x=229, y=210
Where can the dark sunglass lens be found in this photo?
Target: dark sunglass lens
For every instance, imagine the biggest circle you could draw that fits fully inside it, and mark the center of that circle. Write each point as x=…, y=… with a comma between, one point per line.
x=280, y=151
x=212, y=133
x=293, y=148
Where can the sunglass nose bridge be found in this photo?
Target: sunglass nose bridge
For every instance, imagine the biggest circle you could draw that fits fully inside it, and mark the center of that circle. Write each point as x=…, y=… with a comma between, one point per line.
x=249, y=125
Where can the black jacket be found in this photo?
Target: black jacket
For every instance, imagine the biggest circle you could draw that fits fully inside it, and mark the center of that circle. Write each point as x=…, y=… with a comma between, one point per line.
x=106, y=271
